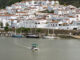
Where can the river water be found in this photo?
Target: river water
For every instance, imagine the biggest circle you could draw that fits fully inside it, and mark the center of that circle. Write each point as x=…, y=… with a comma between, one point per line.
x=49, y=49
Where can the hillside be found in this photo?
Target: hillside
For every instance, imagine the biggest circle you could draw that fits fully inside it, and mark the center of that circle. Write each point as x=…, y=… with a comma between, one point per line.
x=70, y=2
x=4, y=3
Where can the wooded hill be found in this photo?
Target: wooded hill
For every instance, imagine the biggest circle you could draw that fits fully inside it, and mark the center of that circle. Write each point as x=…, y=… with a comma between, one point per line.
x=70, y=2
x=4, y=3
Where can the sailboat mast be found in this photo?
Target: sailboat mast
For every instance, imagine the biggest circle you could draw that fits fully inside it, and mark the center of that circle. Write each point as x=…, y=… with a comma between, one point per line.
x=15, y=30
x=48, y=31
x=53, y=31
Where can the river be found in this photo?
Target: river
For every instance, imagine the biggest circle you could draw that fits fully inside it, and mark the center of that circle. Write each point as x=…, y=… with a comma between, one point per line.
x=49, y=49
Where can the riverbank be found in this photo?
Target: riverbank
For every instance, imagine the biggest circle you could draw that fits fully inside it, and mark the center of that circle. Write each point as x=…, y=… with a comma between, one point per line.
x=44, y=32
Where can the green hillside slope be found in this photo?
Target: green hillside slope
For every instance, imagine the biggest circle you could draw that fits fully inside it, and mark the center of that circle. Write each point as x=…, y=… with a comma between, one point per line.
x=4, y=3
x=70, y=2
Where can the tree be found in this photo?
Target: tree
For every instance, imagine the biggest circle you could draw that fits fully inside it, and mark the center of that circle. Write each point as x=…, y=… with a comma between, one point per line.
x=1, y=24
x=38, y=30
x=27, y=29
x=6, y=28
x=47, y=11
x=23, y=30
x=7, y=24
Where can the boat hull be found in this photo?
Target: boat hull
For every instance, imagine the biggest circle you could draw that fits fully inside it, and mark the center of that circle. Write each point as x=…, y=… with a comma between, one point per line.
x=35, y=49
x=49, y=37
x=32, y=36
x=17, y=36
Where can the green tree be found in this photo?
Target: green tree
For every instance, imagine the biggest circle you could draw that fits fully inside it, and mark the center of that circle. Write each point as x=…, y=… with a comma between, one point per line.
x=38, y=30
x=47, y=11
x=1, y=24
x=7, y=24
x=23, y=30
x=6, y=28
x=27, y=29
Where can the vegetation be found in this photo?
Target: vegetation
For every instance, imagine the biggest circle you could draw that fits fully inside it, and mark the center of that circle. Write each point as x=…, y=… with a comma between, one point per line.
x=47, y=11
x=64, y=2
x=23, y=30
x=38, y=30
x=4, y=3
x=70, y=2
x=6, y=28
x=64, y=31
x=1, y=24
x=7, y=24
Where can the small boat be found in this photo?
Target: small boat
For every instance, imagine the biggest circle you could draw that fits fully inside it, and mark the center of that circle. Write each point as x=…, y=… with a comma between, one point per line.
x=34, y=47
x=17, y=36
x=32, y=36
x=49, y=37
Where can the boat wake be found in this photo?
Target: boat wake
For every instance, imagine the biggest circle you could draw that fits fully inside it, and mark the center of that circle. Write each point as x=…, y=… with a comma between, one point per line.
x=20, y=45
x=27, y=47
x=23, y=46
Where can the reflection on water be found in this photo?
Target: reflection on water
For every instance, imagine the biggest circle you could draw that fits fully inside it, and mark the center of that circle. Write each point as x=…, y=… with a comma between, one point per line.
x=20, y=49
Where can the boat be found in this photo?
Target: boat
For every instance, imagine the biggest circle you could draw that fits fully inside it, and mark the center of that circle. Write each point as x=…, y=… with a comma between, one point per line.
x=50, y=36
x=32, y=36
x=34, y=47
x=17, y=36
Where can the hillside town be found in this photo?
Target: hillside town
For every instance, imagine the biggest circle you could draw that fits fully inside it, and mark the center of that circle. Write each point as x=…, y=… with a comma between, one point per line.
x=41, y=14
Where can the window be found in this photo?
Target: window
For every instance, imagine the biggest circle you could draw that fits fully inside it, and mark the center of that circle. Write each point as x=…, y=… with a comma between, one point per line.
x=56, y=24
x=53, y=25
x=59, y=24
x=74, y=28
x=78, y=23
x=35, y=2
x=35, y=23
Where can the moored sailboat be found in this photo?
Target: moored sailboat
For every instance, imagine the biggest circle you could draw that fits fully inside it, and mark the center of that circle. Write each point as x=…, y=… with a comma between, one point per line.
x=50, y=36
x=17, y=35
